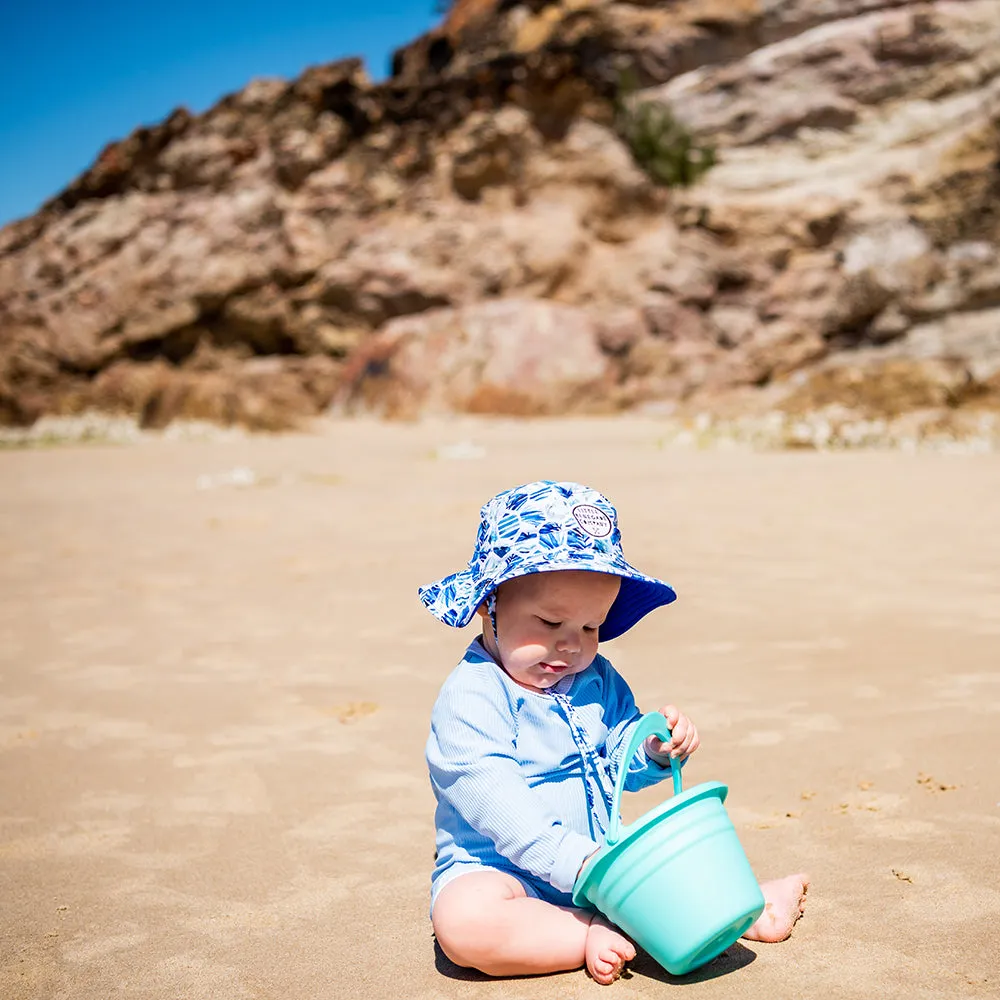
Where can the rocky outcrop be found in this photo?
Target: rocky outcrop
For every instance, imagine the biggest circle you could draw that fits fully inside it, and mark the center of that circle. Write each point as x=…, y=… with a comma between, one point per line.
x=521, y=357
x=473, y=233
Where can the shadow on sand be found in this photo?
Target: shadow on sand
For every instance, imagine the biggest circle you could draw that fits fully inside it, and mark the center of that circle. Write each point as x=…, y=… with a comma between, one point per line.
x=732, y=959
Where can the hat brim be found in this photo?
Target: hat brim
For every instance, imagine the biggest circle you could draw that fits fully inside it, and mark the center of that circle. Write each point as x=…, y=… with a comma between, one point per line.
x=638, y=595
x=455, y=598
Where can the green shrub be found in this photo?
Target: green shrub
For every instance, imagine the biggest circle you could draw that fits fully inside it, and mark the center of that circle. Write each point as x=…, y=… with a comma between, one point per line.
x=661, y=145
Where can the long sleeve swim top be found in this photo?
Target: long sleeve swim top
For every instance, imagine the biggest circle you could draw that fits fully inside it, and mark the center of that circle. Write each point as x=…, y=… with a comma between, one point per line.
x=524, y=779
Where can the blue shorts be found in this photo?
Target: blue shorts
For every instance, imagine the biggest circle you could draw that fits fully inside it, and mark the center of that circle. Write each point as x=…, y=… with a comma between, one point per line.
x=534, y=887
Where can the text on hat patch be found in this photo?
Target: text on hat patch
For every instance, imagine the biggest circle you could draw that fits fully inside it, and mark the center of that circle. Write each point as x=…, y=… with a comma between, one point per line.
x=592, y=520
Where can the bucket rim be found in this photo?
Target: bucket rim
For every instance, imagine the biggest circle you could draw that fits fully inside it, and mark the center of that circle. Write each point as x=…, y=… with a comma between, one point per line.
x=589, y=874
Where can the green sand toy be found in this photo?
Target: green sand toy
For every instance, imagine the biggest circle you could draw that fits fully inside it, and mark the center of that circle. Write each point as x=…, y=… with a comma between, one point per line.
x=677, y=880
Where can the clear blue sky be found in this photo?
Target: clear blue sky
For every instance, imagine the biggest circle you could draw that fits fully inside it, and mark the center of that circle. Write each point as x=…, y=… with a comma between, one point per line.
x=76, y=75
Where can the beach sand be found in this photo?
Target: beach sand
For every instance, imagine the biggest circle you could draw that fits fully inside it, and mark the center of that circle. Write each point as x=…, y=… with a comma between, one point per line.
x=214, y=696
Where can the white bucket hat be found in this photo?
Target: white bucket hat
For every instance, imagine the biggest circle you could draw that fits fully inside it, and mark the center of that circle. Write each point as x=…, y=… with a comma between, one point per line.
x=538, y=528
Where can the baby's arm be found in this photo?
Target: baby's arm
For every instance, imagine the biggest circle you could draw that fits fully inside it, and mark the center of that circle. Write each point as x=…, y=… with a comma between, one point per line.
x=654, y=760
x=473, y=767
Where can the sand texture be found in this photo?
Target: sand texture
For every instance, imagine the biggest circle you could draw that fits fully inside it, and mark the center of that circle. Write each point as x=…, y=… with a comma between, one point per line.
x=215, y=688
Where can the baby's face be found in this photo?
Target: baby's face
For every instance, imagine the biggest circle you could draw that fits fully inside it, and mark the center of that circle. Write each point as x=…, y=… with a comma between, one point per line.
x=547, y=624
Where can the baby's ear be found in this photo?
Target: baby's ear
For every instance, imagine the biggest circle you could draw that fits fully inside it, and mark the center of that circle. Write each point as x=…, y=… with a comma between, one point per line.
x=482, y=612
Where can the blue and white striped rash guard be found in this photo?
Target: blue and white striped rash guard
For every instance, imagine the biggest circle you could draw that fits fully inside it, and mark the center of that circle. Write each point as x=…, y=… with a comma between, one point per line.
x=524, y=779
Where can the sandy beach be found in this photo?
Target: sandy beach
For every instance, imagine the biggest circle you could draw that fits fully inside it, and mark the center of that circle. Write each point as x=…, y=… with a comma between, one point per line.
x=216, y=679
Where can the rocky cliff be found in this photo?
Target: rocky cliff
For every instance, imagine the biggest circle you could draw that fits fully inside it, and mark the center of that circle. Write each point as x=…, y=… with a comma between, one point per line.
x=481, y=232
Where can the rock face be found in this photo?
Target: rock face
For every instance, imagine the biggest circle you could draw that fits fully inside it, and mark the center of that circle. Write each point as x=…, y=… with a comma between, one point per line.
x=513, y=356
x=473, y=234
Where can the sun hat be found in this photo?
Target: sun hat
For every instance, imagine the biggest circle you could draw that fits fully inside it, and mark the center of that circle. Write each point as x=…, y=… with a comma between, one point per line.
x=539, y=528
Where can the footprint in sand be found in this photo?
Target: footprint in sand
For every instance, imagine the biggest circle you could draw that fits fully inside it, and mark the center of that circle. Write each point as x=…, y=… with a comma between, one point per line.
x=353, y=711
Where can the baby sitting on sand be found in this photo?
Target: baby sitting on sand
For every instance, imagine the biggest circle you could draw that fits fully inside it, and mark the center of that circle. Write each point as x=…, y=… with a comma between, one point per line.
x=528, y=733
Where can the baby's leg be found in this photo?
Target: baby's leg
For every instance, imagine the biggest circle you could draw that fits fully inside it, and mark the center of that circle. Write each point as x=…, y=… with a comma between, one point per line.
x=487, y=921
x=785, y=899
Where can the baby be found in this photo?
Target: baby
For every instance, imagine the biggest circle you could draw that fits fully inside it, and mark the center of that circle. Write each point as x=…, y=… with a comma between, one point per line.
x=528, y=735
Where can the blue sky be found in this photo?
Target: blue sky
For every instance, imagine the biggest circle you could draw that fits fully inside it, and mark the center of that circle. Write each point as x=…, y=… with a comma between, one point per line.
x=74, y=76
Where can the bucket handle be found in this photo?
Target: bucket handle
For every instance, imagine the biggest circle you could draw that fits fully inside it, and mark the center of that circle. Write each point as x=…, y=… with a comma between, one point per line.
x=651, y=724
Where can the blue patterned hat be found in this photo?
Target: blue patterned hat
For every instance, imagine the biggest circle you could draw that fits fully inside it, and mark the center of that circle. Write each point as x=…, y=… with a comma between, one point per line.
x=538, y=528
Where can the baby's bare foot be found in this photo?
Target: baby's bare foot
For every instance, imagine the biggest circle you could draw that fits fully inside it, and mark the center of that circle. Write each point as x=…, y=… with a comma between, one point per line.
x=785, y=899
x=607, y=951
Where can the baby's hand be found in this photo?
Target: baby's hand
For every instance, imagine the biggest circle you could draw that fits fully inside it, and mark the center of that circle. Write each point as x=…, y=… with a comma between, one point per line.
x=584, y=865
x=683, y=736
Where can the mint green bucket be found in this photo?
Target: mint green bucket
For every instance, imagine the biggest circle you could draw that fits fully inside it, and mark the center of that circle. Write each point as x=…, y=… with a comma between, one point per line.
x=677, y=880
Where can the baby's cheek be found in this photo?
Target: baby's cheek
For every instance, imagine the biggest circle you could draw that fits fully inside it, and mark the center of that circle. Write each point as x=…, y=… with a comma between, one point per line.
x=536, y=650
x=526, y=655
